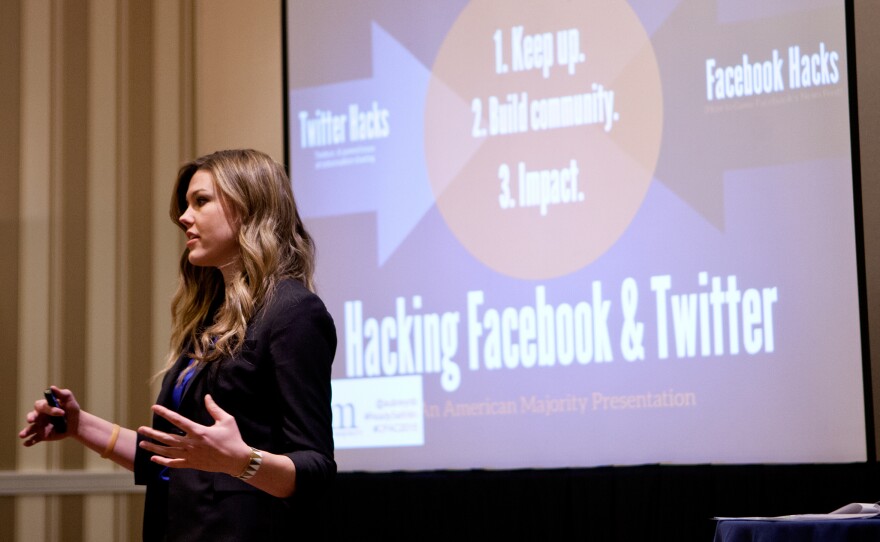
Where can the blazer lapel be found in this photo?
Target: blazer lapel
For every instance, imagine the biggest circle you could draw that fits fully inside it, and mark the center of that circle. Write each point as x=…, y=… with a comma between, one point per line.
x=194, y=382
x=167, y=391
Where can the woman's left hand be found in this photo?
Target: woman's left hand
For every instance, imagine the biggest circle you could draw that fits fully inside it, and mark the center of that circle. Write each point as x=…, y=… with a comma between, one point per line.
x=215, y=448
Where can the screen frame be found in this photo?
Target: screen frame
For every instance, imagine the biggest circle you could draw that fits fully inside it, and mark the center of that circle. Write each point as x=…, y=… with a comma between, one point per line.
x=859, y=227
x=871, y=429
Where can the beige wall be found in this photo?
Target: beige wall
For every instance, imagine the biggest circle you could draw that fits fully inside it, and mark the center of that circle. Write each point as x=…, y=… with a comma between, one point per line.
x=100, y=102
x=241, y=106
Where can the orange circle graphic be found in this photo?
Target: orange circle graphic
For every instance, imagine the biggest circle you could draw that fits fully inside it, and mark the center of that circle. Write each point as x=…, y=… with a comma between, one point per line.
x=543, y=123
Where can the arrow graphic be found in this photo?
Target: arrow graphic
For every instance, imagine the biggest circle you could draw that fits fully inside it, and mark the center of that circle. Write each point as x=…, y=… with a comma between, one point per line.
x=702, y=138
x=386, y=174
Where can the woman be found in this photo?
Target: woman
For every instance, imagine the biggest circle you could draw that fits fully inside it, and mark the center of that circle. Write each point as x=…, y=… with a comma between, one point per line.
x=241, y=444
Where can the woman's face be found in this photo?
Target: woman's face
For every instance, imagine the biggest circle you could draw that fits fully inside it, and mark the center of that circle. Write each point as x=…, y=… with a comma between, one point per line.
x=212, y=239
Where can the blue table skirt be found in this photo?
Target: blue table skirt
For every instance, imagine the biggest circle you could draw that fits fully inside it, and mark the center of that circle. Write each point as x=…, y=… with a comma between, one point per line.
x=849, y=530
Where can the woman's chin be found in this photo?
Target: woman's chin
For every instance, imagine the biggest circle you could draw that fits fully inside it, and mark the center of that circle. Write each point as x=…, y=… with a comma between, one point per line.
x=198, y=260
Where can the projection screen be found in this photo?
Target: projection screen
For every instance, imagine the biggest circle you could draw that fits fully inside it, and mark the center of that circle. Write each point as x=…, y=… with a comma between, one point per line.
x=574, y=233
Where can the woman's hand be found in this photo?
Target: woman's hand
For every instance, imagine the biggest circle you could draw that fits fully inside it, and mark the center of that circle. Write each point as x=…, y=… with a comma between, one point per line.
x=215, y=448
x=39, y=427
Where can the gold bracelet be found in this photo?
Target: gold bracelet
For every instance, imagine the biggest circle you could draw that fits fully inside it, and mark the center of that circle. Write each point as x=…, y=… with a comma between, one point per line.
x=253, y=465
x=112, y=442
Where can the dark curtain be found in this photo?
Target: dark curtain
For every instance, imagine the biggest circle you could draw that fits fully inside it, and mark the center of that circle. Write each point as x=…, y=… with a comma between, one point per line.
x=650, y=502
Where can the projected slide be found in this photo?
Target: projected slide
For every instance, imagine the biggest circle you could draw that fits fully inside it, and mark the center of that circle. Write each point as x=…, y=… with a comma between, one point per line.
x=576, y=233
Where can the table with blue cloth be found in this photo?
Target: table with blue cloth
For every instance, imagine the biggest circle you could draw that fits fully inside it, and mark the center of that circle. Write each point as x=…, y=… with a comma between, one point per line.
x=850, y=530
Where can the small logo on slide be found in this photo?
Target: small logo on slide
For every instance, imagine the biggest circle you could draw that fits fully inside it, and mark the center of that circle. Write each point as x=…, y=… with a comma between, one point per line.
x=378, y=412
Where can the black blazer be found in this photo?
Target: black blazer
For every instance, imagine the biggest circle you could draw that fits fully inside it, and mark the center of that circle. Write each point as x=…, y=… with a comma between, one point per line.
x=278, y=390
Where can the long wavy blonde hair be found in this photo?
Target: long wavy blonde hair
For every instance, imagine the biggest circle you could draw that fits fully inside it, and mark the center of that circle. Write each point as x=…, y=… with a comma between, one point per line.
x=273, y=245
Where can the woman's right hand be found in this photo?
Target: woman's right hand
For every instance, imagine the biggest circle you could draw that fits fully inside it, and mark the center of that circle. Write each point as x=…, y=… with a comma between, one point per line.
x=39, y=426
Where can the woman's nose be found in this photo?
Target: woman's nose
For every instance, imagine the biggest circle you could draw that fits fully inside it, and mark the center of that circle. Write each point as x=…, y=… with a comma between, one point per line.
x=186, y=218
